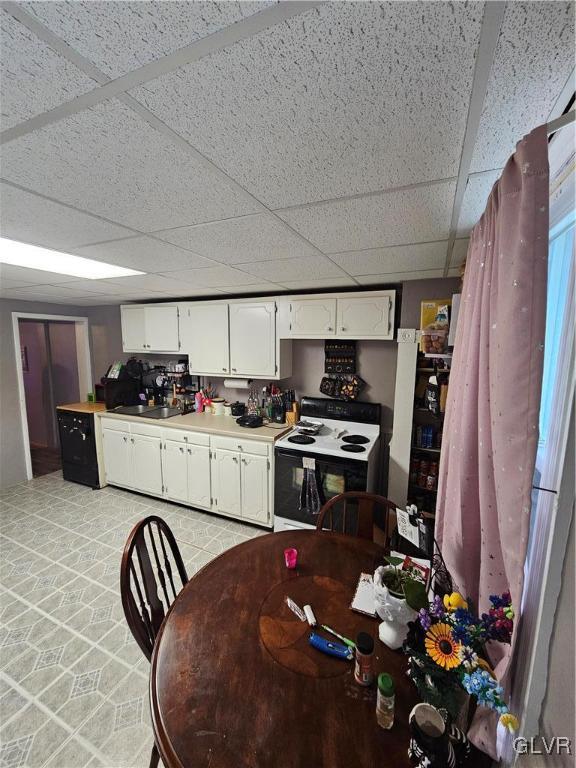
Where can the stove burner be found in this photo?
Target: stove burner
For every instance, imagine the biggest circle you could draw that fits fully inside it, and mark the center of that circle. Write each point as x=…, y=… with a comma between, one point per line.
x=355, y=439
x=353, y=448
x=301, y=439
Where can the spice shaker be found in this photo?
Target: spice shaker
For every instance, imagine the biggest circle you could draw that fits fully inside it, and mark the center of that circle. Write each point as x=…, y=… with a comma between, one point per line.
x=364, y=664
x=385, y=701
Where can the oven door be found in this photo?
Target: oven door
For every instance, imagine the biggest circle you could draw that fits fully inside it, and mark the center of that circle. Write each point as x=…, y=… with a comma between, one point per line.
x=336, y=475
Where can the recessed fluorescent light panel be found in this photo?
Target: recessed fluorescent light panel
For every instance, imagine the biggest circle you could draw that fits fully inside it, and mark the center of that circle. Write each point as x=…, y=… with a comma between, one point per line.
x=34, y=257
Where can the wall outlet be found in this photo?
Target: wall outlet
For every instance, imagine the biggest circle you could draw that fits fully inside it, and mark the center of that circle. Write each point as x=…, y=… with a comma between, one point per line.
x=407, y=335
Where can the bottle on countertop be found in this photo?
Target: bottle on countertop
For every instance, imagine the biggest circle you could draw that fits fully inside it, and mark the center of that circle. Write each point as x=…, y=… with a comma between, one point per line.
x=385, y=701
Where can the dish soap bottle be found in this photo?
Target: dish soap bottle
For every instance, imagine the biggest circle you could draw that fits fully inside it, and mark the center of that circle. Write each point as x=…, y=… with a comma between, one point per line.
x=385, y=701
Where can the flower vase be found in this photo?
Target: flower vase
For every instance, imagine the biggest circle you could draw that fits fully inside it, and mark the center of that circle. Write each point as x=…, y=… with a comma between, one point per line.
x=394, y=611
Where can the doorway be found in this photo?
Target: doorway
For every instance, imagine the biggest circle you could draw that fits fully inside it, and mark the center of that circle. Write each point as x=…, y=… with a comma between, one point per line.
x=52, y=356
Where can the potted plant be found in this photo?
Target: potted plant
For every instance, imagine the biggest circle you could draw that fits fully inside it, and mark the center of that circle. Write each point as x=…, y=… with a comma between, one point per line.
x=399, y=593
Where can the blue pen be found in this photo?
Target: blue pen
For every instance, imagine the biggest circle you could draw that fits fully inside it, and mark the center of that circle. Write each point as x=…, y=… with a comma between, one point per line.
x=332, y=649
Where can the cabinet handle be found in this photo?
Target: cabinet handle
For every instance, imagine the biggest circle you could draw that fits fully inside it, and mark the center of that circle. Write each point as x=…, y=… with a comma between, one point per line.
x=125, y=439
x=224, y=369
x=239, y=447
x=189, y=450
x=131, y=439
x=235, y=458
x=244, y=461
x=329, y=328
x=182, y=450
x=234, y=369
x=185, y=439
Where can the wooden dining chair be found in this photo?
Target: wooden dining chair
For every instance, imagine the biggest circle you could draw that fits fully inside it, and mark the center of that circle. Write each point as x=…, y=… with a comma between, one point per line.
x=356, y=513
x=152, y=573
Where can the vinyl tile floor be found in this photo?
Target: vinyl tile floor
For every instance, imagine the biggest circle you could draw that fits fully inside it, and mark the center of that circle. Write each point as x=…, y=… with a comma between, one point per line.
x=73, y=682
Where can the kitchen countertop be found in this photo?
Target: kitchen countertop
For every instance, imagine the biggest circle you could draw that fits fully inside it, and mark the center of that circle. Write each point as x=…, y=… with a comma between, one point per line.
x=82, y=407
x=207, y=422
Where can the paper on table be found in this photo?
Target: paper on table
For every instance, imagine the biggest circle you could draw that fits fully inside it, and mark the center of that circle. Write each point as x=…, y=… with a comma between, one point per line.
x=363, y=600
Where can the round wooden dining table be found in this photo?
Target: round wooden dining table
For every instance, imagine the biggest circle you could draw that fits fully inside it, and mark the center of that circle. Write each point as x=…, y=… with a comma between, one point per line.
x=235, y=683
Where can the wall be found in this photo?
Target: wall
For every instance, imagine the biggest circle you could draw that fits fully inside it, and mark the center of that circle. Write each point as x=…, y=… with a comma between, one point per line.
x=415, y=291
x=37, y=391
x=558, y=709
x=106, y=345
x=64, y=363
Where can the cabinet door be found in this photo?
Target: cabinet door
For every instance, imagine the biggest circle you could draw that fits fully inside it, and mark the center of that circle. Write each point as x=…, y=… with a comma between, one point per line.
x=253, y=339
x=254, y=481
x=364, y=316
x=204, y=338
x=161, y=328
x=313, y=317
x=199, y=475
x=226, y=482
x=117, y=457
x=147, y=464
x=133, y=329
x=175, y=470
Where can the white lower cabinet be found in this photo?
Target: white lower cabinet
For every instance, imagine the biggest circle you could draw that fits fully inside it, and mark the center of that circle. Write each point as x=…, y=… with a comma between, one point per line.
x=147, y=464
x=254, y=483
x=199, y=487
x=117, y=457
x=223, y=474
x=175, y=471
x=226, y=482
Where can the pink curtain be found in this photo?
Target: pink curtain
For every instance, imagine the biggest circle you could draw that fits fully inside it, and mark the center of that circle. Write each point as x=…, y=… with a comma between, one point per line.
x=491, y=425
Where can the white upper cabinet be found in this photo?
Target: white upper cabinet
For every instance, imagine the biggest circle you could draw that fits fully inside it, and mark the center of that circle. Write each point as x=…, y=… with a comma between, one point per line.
x=365, y=316
x=150, y=328
x=253, y=339
x=204, y=337
x=313, y=317
x=133, y=329
x=162, y=328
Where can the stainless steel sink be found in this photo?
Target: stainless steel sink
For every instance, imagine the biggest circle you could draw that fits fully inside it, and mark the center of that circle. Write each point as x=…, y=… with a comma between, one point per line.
x=135, y=410
x=164, y=412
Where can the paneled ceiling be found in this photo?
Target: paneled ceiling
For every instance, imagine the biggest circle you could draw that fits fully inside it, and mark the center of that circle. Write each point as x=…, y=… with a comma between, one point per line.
x=259, y=147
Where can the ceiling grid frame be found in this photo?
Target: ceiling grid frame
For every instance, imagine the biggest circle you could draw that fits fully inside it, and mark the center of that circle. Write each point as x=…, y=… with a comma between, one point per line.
x=216, y=41
x=88, y=68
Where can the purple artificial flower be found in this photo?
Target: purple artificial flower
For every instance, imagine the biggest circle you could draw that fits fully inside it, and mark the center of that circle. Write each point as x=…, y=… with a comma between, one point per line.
x=424, y=619
x=437, y=608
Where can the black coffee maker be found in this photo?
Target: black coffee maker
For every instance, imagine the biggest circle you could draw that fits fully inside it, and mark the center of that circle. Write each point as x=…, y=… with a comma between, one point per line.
x=120, y=388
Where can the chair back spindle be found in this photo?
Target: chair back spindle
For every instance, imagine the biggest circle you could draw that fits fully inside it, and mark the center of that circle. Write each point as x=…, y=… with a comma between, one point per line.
x=365, y=515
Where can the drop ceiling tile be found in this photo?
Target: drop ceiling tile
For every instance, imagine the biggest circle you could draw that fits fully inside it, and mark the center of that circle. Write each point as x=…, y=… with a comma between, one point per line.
x=327, y=282
x=281, y=270
x=475, y=199
x=415, y=215
x=7, y=283
x=214, y=277
x=145, y=254
x=56, y=291
x=396, y=277
x=108, y=161
x=344, y=98
x=27, y=276
x=256, y=288
x=260, y=237
x=145, y=283
x=122, y=36
x=33, y=77
x=533, y=60
x=459, y=252
x=376, y=261
x=33, y=219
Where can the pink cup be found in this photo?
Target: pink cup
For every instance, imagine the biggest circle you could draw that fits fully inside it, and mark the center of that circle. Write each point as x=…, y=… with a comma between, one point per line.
x=291, y=557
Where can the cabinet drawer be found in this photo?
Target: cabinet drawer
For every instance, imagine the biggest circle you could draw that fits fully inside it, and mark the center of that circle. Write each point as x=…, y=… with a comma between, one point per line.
x=240, y=444
x=148, y=430
x=185, y=436
x=116, y=425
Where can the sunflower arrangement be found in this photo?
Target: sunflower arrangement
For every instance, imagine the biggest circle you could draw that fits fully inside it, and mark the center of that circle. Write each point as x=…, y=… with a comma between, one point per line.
x=446, y=647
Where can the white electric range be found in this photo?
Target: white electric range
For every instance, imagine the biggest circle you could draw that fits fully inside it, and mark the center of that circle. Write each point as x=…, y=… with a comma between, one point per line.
x=343, y=456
